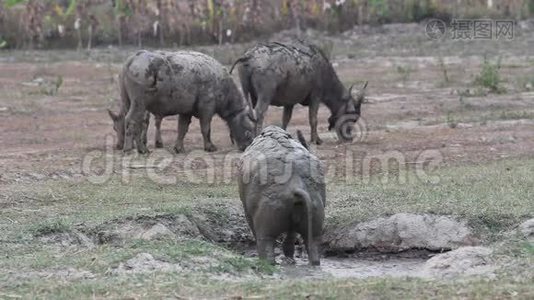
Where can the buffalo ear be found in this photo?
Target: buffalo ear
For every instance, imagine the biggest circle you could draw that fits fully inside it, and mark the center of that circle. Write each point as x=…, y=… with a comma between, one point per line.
x=112, y=115
x=359, y=97
x=350, y=90
x=251, y=111
x=252, y=114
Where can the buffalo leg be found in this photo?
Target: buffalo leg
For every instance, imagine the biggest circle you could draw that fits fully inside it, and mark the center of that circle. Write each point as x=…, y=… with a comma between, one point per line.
x=205, y=128
x=312, y=248
x=134, y=123
x=314, y=109
x=261, y=109
x=289, y=245
x=288, y=111
x=265, y=247
x=141, y=140
x=129, y=130
x=126, y=107
x=144, y=132
x=183, y=126
x=159, y=141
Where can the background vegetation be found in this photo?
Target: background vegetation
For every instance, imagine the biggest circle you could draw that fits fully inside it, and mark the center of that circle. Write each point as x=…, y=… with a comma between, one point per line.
x=85, y=23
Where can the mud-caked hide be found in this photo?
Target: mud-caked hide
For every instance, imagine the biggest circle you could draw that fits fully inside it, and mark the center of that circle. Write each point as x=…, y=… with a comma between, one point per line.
x=282, y=188
x=295, y=72
x=184, y=83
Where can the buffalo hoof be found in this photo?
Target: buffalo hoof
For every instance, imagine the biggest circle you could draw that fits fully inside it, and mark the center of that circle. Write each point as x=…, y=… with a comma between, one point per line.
x=210, y=148
x=127, y=151
x=317, y=141
x=143, y=151
x=315, y=263
x=288, y=261
x=179, y=149
x=159, y=144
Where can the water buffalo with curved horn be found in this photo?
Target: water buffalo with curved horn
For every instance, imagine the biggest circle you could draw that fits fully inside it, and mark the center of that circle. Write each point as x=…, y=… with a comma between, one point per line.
x=296, y=72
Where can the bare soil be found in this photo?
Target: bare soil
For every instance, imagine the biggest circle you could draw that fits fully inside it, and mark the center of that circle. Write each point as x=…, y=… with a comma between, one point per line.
x=46, y=136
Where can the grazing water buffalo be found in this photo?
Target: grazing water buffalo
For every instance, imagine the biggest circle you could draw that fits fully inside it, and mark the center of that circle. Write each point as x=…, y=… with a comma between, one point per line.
x=281, y=185
x=186, y=83
x=285, y=74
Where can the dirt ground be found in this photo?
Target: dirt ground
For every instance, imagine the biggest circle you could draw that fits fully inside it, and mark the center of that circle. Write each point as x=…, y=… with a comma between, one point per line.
x=410, y=109
x=424, y=110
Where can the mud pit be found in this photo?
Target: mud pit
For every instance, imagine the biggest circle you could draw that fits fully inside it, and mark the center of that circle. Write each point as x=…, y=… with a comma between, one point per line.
x=368, y=256
x=356, y=268
x=465, y=261
x=361, y=265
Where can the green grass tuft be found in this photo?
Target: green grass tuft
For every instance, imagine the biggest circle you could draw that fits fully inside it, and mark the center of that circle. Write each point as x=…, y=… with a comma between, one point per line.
x=51, y=227
x=489, y=76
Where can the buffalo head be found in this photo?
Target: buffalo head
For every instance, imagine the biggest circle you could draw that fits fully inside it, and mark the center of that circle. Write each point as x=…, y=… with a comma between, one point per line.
x=243, y=127
x=351, y=107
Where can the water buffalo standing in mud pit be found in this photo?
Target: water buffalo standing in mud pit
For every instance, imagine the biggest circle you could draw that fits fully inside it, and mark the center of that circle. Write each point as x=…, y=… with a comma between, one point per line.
x=281, y=185
x=296, y=72
x=186, y=83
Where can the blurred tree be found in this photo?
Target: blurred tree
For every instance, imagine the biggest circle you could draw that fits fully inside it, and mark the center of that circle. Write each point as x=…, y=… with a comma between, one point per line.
x=121, y=10
x=34, y=22
x=93, y=26
x=31, y=23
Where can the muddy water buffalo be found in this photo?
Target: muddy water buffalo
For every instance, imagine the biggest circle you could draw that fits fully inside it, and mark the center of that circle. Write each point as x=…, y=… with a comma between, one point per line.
x=186, y=83
x=296, y=72
x=281, y=185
